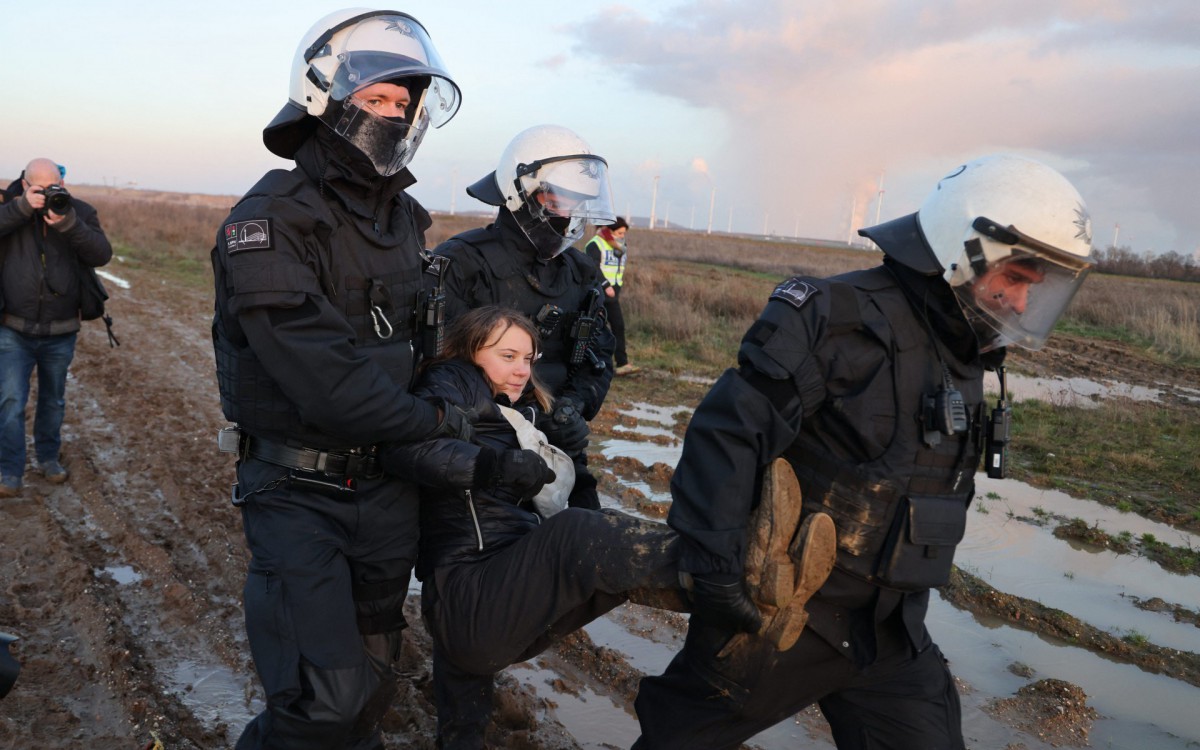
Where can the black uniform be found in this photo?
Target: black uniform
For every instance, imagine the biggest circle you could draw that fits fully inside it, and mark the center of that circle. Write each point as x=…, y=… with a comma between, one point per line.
x=317, y=272
x=498, y=265
x=501, y=584
x=834, y=376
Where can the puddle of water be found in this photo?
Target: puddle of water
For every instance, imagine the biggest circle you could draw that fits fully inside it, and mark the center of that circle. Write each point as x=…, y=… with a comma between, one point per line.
x=594, y=721
x=665, y=415
x=1079, y=392
x=1024, y=559
x=1141, y=710
x=214, y=694
x=651, y=493
x=122, y=574
x=648, y=453
x=1023, y=498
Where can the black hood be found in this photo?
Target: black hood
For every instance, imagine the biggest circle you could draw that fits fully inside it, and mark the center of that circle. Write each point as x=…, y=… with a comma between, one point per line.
x=340, y=169
x=901, y=240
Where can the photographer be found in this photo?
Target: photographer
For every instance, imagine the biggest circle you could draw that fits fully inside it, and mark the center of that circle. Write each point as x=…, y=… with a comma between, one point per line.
x=45, y=235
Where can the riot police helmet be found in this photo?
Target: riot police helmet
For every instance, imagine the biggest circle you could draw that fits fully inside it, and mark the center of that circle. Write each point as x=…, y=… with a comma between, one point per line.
x=1013, y=239
x=356, y=50
x=553, y=184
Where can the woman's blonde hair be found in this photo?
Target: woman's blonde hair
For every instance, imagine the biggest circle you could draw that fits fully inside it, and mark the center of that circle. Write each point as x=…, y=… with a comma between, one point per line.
x=470, y=332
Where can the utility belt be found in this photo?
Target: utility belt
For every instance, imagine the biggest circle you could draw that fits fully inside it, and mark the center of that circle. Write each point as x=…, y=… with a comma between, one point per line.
x=332, y=472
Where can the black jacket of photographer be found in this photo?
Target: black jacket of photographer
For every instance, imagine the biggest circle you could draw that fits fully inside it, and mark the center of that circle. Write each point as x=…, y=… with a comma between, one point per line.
x=309, y=264
x=832, y=376
x=39, y=264
x=498, y=265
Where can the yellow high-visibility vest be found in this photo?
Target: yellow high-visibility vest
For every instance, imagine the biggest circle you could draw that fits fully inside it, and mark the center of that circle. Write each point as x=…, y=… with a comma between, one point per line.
x=612, y=265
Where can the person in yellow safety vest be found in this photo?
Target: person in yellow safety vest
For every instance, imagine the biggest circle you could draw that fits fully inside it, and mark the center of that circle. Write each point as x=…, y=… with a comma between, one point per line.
x=608, y=249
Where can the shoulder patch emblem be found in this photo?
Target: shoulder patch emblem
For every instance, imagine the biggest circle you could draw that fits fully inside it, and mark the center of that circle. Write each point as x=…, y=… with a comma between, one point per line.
x=241, y=236
x=795, y=292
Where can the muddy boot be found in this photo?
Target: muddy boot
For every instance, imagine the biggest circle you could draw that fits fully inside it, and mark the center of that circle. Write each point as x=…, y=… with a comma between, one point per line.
x=769, y=570
x=785, y=568
x=813, y=552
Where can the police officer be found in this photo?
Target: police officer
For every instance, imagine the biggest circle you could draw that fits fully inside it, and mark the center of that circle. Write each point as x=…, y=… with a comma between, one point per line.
x=317, y=272
x=871, y=385
x=548, y=186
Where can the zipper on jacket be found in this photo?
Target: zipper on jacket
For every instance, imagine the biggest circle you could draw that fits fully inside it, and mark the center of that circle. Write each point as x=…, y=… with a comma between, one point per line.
x=475, y=519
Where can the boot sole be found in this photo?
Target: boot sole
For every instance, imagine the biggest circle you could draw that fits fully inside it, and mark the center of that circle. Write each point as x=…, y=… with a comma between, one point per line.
x=814, y=552
x=785, y=566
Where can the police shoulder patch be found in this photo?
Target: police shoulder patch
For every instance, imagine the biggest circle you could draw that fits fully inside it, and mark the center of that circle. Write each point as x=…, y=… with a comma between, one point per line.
x=795, y=291
x=241, y=236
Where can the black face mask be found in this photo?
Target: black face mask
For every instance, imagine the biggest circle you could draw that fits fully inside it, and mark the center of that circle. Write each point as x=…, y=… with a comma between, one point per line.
x=545, y=234
x=560, y=224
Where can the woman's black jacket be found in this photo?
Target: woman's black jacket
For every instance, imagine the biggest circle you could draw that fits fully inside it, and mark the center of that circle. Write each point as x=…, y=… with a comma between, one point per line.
x=458, y=523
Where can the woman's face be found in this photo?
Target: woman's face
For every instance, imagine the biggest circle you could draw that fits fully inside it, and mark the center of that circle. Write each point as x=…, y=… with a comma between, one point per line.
x=507, y=360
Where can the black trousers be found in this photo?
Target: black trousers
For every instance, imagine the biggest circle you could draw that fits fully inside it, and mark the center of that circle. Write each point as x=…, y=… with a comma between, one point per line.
x=901, y=702
x=510, y=607
x=616, y=321
x=324, y=601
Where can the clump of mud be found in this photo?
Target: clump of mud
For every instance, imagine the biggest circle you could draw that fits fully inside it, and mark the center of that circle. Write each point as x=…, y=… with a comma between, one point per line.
x=1052, y=710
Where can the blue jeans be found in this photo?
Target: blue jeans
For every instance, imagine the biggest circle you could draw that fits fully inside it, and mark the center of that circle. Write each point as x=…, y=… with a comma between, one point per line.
x=19, y=354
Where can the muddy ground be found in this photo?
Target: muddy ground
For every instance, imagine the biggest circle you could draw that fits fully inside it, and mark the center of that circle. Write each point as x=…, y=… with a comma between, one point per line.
x=124, y=584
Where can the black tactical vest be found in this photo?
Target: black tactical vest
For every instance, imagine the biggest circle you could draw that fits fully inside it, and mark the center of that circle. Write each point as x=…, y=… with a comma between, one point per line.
x=899, y=502
x=376, y=285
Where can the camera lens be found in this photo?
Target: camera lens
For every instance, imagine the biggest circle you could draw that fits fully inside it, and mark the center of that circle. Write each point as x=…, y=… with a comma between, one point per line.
x=58, y=199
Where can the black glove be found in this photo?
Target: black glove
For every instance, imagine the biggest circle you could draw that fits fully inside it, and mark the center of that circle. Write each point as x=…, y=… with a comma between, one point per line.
x=456, y=423
x=725, y=605
x=521, y=472
x=565, y=427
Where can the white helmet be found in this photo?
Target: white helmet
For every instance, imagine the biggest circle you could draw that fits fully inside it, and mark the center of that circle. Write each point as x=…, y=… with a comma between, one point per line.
x=353, y=48
x=553, y=184
x=1013, y=239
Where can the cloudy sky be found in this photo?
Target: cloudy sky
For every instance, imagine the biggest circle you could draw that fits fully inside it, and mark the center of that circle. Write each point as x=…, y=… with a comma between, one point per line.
x=784, y=116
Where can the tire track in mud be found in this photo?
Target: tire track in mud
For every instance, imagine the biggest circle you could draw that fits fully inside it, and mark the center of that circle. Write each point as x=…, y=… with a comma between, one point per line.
x=135, y=504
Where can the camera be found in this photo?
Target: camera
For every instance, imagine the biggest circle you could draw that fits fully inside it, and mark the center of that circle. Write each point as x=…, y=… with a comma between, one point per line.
x=58, y=200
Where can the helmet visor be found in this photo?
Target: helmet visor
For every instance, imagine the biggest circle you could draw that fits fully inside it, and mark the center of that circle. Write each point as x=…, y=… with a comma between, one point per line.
x=1017, y=299
x=574, y=188
x=386, y=48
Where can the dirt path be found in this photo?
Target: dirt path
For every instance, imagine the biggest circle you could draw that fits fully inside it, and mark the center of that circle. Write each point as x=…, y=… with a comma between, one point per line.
x=124, y=584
